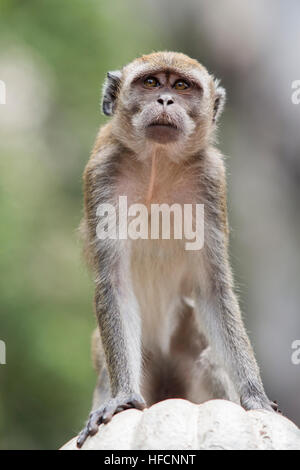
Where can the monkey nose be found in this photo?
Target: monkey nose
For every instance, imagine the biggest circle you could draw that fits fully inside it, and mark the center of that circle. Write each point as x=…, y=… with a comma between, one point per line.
x=165, y=100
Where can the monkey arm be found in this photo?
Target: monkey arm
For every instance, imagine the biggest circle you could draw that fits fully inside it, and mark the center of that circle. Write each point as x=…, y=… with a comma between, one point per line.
x=115, y=304
x=119, y=324
x=217, y=304
x=219, y=312
x=120, y=334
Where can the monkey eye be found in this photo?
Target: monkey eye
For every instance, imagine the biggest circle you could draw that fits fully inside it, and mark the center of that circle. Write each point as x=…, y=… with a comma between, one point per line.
x=151, y=82
x=181, y=85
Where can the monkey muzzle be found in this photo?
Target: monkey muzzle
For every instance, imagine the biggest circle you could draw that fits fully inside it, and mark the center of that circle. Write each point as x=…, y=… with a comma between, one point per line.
x=162, y=130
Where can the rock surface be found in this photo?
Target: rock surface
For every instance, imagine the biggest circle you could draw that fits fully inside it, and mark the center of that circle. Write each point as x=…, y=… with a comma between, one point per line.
x=180, y=425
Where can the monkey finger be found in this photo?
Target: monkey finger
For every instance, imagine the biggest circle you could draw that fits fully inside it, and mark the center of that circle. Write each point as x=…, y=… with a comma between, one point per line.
x=121, y=408
x=94, y=422
x=108, y=414
x=274, y=405
x=111, y=411
x=82, y=437
x=139, y=405
x=126, y=406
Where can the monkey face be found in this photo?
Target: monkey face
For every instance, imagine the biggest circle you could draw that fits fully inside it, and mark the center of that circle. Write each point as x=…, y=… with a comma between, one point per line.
x=167, y=106
x=164, y=98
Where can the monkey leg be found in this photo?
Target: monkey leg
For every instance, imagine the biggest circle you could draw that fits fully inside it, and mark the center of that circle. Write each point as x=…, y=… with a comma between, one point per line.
x=189, y=370
x=214, y=378
x=197, y=367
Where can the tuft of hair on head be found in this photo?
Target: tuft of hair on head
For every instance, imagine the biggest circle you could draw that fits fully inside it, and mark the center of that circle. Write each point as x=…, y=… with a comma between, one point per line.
x=220, y=99
x=110, y=92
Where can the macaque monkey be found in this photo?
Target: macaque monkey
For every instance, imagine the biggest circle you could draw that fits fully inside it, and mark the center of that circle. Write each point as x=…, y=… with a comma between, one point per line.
x=169, y=321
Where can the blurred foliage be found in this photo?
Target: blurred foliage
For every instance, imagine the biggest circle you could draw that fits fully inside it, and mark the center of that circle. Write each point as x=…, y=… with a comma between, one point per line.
x=46, y=294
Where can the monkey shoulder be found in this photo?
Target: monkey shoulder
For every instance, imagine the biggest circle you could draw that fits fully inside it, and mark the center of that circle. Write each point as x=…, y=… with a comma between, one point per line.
x=214, y=164
x=214, y=186
x=106, y=158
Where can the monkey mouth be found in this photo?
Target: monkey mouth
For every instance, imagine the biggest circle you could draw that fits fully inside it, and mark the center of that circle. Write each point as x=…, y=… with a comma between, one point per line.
x=162, y=131
x=163, y=123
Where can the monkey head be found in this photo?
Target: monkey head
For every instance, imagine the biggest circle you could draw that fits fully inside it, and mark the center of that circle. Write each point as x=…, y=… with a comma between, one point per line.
x=163, y=98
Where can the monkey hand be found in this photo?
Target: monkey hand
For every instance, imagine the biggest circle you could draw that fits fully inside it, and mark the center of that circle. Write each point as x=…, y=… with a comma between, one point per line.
x=105, y=413
x=258, y=403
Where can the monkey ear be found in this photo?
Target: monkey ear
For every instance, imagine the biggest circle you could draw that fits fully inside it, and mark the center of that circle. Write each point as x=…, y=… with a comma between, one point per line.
x=220, y=98
x=110, y=92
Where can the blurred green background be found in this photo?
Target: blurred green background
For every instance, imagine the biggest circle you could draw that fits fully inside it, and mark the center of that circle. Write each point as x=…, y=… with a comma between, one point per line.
x=53, y=58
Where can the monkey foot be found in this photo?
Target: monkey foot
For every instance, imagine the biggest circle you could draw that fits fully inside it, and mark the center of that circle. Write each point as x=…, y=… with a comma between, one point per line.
x=105, y=413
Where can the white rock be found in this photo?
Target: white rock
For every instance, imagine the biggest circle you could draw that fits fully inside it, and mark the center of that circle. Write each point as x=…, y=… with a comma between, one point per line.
x=180, y=425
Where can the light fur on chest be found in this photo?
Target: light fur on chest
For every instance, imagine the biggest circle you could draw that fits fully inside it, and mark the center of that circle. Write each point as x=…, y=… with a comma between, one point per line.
x=162, y=271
